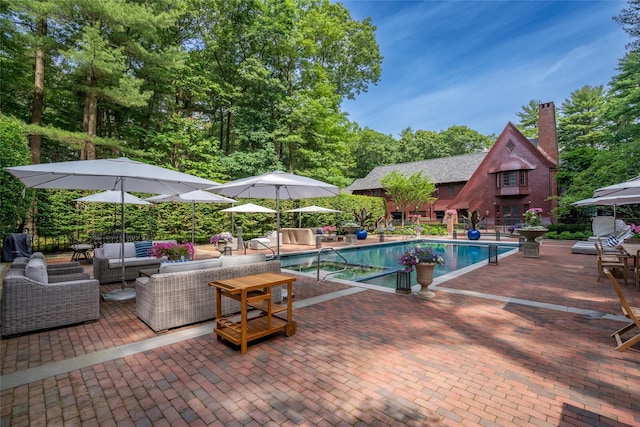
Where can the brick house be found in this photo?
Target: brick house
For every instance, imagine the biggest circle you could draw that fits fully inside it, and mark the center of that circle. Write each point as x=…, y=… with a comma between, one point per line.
x=515, y=174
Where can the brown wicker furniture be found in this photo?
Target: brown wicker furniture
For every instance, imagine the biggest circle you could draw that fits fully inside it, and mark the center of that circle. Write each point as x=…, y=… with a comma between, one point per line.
x=60, y=300
x=169, y=300
x=632, y=313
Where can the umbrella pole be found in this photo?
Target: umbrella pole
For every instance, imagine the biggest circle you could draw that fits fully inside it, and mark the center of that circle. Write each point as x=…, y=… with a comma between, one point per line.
x=123, y=293
x=278, y=219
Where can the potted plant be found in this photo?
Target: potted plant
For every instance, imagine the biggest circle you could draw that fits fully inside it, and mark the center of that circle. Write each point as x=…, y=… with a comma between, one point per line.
x=221, y=240
x=474, y=219
x=184, y=251
x=531, y=230
x=424, y=260
x=361, y=218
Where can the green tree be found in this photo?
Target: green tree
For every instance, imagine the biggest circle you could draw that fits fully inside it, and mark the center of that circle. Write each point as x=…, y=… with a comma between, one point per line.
x=370, y=149
x=16, y=200
x=408, y=192
x=528, y=123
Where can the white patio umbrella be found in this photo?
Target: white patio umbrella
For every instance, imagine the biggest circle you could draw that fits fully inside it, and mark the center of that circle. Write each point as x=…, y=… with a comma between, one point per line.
x=110, y=174
x=246, y=208
x=112, y=196
x=627, y=188
x=311, y=209
x=609, y=201
x=193, y=197
x=276, y=185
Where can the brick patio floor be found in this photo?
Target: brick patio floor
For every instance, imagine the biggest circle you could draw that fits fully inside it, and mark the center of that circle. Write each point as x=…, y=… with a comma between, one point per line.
x=526, y=342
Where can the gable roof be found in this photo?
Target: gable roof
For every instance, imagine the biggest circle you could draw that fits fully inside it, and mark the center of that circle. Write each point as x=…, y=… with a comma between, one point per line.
x=439, y=171
x=472, y=194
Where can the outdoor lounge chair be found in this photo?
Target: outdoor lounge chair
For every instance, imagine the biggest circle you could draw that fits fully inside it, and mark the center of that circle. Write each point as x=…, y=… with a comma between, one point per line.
x=609, y=260
x=632, y=313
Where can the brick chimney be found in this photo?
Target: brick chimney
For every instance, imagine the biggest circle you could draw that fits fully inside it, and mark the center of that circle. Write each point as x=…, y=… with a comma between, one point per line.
x=547, y=134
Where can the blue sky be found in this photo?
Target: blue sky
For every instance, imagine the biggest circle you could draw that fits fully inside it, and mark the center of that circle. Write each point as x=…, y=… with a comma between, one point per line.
x=476, y=63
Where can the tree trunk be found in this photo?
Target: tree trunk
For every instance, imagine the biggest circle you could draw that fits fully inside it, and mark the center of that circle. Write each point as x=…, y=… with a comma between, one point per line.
x=37, y=103
x=89, y=119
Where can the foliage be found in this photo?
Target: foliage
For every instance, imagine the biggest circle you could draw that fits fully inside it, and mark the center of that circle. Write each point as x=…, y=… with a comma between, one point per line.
x=473, y=219
x=407, y=192
x=362, y=217
x=16, y=200
x=173, y=251
x=418, y=255
x=529, y=119
x=533, y=218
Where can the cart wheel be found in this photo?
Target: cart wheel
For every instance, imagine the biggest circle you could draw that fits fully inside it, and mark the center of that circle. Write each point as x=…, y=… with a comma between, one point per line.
x=291, y=328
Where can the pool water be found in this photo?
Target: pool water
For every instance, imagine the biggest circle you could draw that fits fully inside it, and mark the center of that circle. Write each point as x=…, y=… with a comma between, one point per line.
x=377, y=264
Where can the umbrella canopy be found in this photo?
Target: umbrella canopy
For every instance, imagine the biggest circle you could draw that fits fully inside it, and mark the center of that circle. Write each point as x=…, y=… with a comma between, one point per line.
x=193, y=197
x=277, y=185
x=109, y=174
x=311, y=209
x=609, y=201
x=314, y=209
x=248, y=208
x=627, y=188
x=112, y=196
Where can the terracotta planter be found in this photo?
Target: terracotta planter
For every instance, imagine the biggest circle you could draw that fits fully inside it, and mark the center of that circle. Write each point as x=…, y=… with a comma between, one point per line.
x=424, y=273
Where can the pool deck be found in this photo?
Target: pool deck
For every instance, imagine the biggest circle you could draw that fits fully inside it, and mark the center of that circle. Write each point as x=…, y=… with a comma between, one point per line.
x=524, y=342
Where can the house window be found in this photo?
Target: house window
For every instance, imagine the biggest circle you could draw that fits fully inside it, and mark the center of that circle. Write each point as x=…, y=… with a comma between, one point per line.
x=523, y=178
x=510, y=146
x=452, y=189
x=509, y=179
x=377, y=192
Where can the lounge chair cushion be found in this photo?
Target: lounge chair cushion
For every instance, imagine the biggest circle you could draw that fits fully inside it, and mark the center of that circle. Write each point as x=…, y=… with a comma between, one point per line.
x=612, y=241
x=36, y=270
x=142, y=248
x=241, y=259
x=172, y=267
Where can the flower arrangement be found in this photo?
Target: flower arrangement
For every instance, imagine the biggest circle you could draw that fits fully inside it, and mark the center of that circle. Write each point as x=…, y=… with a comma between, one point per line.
x=224, y=237
x=173, y=251
x=417, y=255
x=450, y=212
x=533, y=218
x=636, y=231
x=327, y=229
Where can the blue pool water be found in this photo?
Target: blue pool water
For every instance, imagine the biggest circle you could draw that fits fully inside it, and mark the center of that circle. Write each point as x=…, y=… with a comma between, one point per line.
x=377, y=264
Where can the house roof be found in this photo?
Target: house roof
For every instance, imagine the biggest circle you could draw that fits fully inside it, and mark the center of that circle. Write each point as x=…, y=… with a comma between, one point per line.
x=439, y=171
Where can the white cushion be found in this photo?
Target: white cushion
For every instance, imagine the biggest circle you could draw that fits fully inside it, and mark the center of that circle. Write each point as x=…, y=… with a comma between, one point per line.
x=135, y=261
x=242, y=259
x=203, y=264
x=36, y=270
x=38, y=255
x=112, y=250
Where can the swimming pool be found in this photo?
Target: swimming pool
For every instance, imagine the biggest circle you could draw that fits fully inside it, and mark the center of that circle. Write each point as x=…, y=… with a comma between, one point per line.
x=377, y=264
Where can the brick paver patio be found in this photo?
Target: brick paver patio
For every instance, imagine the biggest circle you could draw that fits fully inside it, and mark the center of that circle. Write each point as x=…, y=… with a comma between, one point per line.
x=498, y=357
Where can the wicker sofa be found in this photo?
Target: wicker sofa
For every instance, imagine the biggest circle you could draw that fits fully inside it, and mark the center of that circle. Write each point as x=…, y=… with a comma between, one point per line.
x=171, y=299
x=52, y=269
x=33, y=300
x=107, y=267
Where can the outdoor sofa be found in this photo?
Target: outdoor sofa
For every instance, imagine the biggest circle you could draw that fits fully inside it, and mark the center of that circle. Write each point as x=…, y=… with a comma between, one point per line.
x=107, y=262
x=32, y=299
x=52, y=269
x=299, y=236
x=180, y=293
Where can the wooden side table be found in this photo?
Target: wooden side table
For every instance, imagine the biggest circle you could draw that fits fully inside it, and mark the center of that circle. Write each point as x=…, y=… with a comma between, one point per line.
x=253, y=291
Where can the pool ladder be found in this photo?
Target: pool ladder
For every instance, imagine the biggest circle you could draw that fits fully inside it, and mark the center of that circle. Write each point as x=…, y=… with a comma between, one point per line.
x=331, y=272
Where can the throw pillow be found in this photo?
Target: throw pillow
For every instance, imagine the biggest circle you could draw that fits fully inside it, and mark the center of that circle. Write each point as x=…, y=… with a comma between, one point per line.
x=36, y=270
x=612, y=241
x=142, y=248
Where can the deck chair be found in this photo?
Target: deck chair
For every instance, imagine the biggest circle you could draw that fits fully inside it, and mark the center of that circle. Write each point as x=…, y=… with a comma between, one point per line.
x=632, y=313
x=616, y=261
